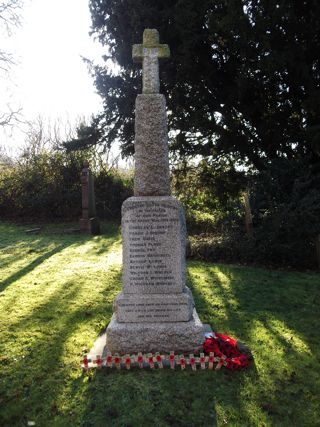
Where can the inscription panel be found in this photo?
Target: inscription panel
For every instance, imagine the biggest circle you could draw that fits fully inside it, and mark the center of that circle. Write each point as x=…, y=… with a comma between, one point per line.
x=154, y=310
x=153, y=245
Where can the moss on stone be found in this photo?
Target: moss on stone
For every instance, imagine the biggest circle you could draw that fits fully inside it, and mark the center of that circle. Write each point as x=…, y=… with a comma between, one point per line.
x=150, y=40
x=150, y=37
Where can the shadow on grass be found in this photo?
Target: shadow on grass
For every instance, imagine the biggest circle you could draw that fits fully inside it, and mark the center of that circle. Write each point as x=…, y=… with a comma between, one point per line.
x=244, y=299
x=166, y=398
x=54, y=391
x=31, y=266
x=47, y=385
x=163, y=398
x=39, y=372
x=49, y=388
x=219, y=312
x=149, y=398
x=18, y=245
x=46, y=373
x=16, y=248
x=273, y=313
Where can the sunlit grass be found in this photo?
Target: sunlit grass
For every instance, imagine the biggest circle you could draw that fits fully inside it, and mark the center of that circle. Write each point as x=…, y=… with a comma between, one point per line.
x=56, y=294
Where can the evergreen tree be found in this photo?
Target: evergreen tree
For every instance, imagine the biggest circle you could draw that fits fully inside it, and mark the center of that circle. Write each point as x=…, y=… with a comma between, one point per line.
x=243, y=79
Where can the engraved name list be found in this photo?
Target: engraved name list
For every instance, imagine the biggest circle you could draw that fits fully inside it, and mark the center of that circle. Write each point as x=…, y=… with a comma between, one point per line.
x=153, y=248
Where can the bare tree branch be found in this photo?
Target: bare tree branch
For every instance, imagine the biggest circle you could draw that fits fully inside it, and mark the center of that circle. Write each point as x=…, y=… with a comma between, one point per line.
x=10, y=16
x=11, y=117
x=6, y=61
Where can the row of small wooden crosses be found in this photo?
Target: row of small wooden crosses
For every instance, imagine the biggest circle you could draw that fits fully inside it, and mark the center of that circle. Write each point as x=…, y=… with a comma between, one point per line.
x=152, y=360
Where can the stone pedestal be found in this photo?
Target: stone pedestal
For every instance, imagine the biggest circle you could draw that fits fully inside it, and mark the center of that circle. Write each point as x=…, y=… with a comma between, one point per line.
x=155, y=311
x=180, y=337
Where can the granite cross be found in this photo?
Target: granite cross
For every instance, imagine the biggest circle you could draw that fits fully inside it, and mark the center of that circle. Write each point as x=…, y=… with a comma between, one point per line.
x=149, y=52
x=155, y=310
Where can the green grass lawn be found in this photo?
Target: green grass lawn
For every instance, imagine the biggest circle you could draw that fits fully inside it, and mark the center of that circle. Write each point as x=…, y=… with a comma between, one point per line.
x=56, y=294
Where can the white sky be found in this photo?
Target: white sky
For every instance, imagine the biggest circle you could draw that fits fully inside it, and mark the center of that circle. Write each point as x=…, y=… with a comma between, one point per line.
x=50, y=78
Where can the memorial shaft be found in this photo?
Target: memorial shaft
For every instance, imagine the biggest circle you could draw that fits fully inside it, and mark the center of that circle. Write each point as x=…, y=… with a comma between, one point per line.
x=152, y=176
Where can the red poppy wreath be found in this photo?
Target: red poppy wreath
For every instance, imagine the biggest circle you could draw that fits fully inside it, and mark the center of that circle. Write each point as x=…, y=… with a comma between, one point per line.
x=227, y=349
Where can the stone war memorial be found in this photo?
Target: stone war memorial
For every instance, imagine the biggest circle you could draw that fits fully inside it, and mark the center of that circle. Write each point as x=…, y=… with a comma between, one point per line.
x=89, y=222
x=155, y=310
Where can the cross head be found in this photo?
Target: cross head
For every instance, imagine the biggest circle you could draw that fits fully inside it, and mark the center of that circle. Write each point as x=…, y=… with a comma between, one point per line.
x=149, y=53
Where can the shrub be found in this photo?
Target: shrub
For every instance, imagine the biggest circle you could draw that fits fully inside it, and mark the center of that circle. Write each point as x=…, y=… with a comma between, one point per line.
x=285, y=202
x=47, y=186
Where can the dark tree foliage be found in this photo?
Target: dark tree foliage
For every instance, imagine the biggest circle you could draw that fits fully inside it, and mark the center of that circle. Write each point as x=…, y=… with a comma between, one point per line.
x=87, y=136
x=243, y=78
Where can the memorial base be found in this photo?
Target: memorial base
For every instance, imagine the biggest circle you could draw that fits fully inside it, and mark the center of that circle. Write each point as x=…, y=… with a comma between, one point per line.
x=180, y=337
x=90, y=226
